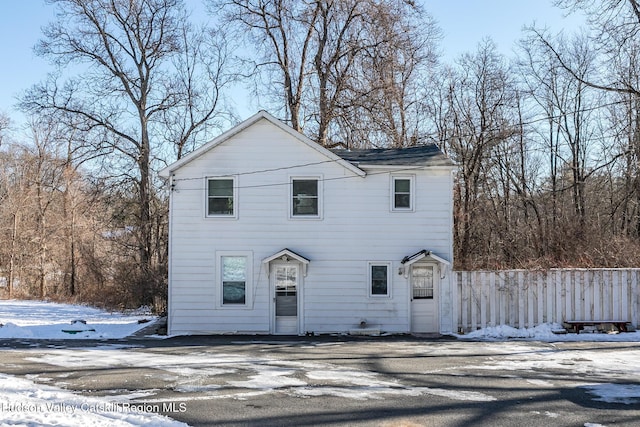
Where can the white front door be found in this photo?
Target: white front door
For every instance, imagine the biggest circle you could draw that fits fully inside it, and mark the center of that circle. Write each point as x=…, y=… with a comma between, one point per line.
x=285, y=279
x=424, y=282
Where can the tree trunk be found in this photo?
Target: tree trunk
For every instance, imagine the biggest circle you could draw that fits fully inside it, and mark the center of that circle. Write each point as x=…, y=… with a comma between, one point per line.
x=12, y=256
x=144, y=220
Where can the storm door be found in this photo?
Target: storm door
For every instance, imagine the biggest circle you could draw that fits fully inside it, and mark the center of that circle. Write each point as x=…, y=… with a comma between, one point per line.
x=285, y=286
x=424, y=289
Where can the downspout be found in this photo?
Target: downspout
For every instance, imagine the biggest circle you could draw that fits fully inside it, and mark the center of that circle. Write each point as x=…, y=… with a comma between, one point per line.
x=453, y=288
x=170, y=255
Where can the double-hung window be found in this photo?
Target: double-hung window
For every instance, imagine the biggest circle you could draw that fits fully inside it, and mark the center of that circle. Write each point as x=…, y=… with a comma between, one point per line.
x=233, y=278
x=402, y=193
x=221, y=197
x=305, y=197
x=379, y=279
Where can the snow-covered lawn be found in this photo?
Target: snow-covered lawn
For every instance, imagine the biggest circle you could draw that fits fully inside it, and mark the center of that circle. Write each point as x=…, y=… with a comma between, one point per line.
x=24, y=403
x=47, y=320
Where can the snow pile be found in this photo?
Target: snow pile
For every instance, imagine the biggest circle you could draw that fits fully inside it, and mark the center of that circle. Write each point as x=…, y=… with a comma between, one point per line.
x=545, y=332
x=27, y=404
x=47, y=320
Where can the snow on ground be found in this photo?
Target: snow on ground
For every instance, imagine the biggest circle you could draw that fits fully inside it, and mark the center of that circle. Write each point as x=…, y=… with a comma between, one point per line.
x=619, y=367
x=24, y=403
x=47, y=320
x=196, y=372
x=545, y=333
x=610, y=376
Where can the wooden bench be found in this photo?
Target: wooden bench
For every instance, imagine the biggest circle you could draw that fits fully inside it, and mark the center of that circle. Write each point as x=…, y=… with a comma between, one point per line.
x=578, y=325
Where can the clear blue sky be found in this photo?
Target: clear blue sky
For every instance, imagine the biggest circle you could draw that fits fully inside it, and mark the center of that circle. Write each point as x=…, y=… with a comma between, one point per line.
x=463, y=22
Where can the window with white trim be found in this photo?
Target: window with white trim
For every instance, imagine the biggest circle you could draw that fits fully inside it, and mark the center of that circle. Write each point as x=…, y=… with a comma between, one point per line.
x=402, y=193
x=234, y=274
x=305, y=197
x=221, y=197
x=379, y=279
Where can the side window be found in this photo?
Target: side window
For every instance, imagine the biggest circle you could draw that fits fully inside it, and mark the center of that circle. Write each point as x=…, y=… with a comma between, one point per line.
x=221, y=197
x=234, y=280
x=305, y=198
x=379, y=279
x=402, y=193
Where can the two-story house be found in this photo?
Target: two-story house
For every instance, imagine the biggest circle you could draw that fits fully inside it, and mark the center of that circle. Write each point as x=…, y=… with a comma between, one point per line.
x=271, y=233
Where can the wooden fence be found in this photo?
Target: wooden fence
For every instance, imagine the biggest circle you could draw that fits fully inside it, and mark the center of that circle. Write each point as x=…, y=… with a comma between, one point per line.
x=522, y=298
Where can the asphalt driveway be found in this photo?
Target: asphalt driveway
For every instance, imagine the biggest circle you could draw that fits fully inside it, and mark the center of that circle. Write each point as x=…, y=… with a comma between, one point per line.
x=387, y=381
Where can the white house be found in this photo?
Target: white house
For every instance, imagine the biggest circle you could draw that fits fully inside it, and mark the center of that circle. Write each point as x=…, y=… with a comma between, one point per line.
x=270, y=233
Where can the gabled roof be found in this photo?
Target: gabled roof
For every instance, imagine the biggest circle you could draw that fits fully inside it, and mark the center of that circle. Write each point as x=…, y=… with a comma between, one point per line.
x=421, y=155
x=408, y=260
x=286, y=254
x=261, y=115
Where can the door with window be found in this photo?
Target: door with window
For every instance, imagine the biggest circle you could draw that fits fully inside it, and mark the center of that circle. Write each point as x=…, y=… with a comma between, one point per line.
x=285, y=287
x=424, y=281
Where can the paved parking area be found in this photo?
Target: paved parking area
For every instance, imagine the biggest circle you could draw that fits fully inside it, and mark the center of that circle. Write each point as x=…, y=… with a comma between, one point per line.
x=387, y=381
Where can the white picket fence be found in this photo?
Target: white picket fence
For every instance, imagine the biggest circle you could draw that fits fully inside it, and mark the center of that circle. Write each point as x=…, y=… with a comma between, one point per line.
x=523, y=298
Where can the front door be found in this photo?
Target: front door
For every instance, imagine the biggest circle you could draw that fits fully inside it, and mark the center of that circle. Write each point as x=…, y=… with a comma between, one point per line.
x=285, y=281
x=424, y=291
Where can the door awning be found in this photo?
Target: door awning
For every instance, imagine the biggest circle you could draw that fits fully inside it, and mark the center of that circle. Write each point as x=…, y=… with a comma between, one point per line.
x=423, y=255
x=287, y=255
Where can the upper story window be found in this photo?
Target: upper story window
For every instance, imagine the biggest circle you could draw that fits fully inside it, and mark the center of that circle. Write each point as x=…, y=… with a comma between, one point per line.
x=305, y=197
x=402, y=193
x=221, y=197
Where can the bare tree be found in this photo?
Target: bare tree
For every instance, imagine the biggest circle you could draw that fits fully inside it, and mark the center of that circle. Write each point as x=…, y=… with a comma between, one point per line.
x=480, y=94
x=32, y=182
x=576, y=135
x=624, y=175
x=391, y=78
x=615, y=25
x=203, y=72
x=13, y=195
x=331, y=61
x=126, y=53
x=4, y=125
x=339, y=37
x=570, y=111
x=282, y=31
x=51, y=221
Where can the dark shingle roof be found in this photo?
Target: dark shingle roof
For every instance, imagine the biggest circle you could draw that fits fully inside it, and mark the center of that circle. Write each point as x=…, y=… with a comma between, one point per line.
x=421, y=155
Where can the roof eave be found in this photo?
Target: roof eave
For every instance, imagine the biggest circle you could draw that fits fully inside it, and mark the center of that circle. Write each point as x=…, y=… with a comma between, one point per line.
x=392, y=166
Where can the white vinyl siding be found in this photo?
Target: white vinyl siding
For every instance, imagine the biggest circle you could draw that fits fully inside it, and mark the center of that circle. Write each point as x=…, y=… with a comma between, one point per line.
x=357, y=228
x=222, y=195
